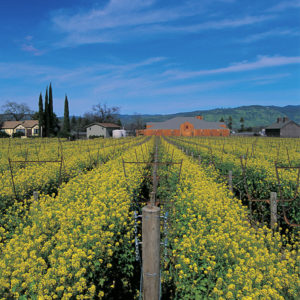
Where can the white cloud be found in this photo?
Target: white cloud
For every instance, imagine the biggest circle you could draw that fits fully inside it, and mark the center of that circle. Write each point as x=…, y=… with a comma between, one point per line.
x=123, y=82
x=28, y=45
x=172, y=89
x=31, y=49
x=229, y=23
x=139, y=78
x=76, y=75
x=283, y=5
x=260, y=63
x=122, y=20
x=28, y=38
x=117, y=14
x=270, y=33
x=24, y=70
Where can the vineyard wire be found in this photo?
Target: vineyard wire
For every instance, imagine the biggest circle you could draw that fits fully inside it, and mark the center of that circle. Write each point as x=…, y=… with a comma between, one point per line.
x=244, y=179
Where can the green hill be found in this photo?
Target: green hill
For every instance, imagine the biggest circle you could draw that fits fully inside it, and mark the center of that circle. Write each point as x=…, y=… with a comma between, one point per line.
x=254, y=115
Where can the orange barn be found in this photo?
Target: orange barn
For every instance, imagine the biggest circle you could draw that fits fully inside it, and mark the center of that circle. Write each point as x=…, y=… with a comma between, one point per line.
x=185, y=126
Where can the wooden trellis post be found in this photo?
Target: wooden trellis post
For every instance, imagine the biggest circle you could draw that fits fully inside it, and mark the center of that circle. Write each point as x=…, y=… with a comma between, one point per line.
x=230, y=181
x=273, y=209
x=36, y=196
x=152, y=198
x=151, y=252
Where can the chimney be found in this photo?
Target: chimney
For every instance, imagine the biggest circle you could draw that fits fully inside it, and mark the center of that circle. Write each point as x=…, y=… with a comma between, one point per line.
x=199, y=117
x=279, y=120
x=285, y=119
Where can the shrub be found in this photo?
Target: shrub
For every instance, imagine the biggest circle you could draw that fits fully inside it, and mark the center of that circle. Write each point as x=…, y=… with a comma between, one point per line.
x=96, y=136
x=3, y=134
x=63, y=134
x=18, y=134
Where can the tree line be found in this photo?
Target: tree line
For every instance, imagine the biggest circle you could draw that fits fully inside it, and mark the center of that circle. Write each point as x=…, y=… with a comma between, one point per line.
x=48, y=122
x=50, y=125
x=229, y=123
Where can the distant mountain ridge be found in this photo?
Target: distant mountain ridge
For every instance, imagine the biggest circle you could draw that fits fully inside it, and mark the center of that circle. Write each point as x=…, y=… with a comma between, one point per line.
x=253, y=115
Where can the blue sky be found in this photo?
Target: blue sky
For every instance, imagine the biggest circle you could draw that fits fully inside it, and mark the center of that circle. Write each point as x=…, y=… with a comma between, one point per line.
x=150, y=56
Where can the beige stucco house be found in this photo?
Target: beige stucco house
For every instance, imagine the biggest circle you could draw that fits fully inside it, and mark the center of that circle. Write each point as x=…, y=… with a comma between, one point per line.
x=101, y=129
x=28, y=127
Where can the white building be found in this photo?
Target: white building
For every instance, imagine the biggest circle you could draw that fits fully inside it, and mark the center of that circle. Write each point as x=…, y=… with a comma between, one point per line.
x=118, y=133
x=101, y=129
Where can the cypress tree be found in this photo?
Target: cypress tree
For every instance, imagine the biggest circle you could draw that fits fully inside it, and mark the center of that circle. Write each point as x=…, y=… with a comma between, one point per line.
x=47, y=121
x=51, y=115
x=41, y=115
x=66, y=127
x=242, y=124
x=73, y=123
x=230, y=122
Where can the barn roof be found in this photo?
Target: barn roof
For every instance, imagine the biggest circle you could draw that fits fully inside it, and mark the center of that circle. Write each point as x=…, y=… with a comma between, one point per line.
x=280, y=123
x=176, y=122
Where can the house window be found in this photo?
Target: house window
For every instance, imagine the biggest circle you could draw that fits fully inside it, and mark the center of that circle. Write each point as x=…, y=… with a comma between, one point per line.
x=187, y=127
x=36, y=131
x=20, y=130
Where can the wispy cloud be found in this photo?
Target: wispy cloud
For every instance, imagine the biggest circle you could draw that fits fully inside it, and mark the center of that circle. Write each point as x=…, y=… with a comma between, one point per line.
x=115, y=19
x=28, y=46
x=137, y=79
x=271, y=33
x=229, y=23
x=122, y=20
x=283, y=5
x=211, y=25
x=107, y=80
x=123, y=82
x=172, y=89
x=12, y=70
x=183, y=89
x=260, y=63
x=124, y=13
x=78, y=74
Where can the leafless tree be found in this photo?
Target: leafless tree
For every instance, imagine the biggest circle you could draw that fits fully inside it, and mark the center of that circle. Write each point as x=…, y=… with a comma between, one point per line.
x=103, y=114
x=137, y=123
x=15, y=110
